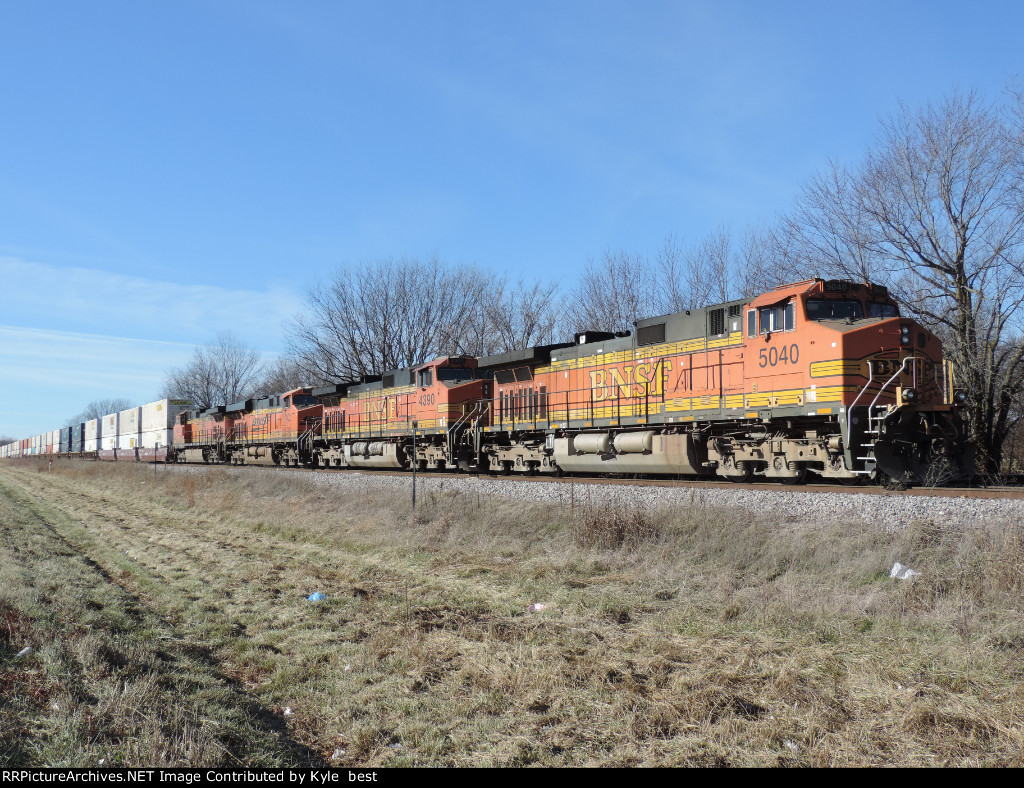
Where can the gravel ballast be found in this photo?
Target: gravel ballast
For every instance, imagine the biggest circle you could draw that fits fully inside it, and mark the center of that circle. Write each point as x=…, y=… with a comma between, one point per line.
x=777, y=502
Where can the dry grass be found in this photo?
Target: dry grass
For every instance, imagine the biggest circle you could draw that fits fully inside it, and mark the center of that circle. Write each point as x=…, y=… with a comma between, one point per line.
x=696, y=636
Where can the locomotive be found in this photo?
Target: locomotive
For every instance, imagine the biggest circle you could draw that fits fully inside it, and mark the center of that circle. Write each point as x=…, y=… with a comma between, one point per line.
x=819, y=377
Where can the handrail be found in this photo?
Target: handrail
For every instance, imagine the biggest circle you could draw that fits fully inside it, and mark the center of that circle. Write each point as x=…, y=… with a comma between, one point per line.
x=883, y=387
x=896, y=374
x=849, y=410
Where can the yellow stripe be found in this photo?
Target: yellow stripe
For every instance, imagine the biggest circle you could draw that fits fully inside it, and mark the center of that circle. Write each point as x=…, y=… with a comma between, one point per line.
x=824, y=369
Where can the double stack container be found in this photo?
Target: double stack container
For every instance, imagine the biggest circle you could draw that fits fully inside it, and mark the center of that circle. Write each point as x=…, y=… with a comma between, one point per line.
x=108, y=437
x=128, y=433
x=92, y=435
x=110, y=431
x=158, y=426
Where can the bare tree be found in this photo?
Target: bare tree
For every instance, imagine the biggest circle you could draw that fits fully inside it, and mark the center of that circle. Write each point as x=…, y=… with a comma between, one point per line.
x=218, y=374
x=521, y=315
x=612, y=293
x=99, y=408
x=5, y=439
x=716, y=269
x=284, y=374
x=764, y=260
x=937, y=212
x=385, y=315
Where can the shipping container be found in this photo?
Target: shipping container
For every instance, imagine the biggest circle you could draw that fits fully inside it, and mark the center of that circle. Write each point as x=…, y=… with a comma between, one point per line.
x=157, y=438
x=154, y=439
x=131, y=422
x=160, y=415
x=108, y=429
x=93, y=429
x=129, y=441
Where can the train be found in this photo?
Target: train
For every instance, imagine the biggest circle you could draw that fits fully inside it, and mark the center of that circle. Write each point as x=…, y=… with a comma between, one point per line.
x=812, y=379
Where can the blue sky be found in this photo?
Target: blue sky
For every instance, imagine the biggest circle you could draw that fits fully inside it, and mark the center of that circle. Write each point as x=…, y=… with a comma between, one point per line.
x=170, y=170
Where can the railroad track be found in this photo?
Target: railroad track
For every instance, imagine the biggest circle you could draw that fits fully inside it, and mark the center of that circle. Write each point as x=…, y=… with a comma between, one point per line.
x=958, y=491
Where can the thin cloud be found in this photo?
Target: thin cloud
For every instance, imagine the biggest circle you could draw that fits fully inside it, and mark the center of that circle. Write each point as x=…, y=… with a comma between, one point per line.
x=48, y=375
x=93, y=301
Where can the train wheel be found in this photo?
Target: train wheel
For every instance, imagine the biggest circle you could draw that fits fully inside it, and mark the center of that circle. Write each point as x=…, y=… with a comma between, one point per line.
x=738, y=473
x=887, y=482
x=800, y=478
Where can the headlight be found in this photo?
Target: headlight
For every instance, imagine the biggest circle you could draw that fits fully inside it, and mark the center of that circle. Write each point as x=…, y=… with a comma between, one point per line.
x=960, y=397
x=909, y=395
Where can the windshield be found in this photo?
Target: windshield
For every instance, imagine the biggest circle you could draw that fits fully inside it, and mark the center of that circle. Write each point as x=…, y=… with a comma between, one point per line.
x=453, y=374
x=876, y=309
x=834, y=309
x=302, y=400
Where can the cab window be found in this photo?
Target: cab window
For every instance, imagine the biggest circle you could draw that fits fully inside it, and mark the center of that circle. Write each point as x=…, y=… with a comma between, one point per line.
x=426, y=377
x=834, y=309
x=876, y=309
x=454, y=374
x=778, y=318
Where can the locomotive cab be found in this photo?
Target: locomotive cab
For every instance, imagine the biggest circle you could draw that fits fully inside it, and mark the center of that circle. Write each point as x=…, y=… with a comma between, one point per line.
x=841, y=350
x=277, y=430
x=449, y=406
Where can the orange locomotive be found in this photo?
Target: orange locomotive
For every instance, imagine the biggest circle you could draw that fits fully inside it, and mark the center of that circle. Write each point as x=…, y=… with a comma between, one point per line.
x=819, y=377
x=373, y=424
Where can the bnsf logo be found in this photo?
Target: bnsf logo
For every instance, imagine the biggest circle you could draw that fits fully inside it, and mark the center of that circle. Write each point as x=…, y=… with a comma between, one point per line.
x=642, y=380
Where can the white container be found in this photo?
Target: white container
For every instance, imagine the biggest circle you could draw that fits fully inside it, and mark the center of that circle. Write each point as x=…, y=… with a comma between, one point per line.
x=109, y=427
x=156, y=439
x=128, y=441
x=108, y=442
x=160, y=415
x=92, y=444
x=92, y=431
x=131, y=422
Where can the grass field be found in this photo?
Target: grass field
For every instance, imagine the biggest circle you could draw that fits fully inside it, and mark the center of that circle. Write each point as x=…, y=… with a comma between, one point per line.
x=169, y=622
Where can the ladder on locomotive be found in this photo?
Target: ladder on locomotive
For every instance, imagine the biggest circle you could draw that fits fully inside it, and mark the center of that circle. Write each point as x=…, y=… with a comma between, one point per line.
x=474, y=415
x=305, y=440
x=876, y=416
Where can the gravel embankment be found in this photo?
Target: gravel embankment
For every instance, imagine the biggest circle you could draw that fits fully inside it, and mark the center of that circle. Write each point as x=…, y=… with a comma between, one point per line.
x=777, y=503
